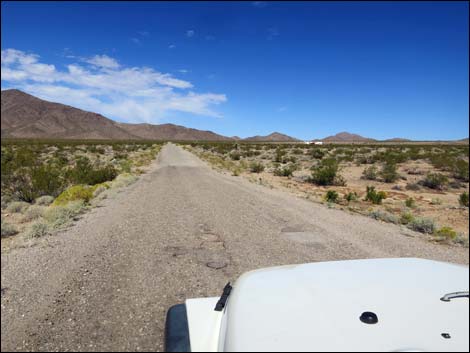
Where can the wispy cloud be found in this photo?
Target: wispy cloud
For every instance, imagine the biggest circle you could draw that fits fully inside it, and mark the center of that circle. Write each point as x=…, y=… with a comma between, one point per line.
x=282, y=109
x=101, y=84
x=136, y=40
x=171, y=46
x=209, y=37
x=183, y=71
x=143, y=33
x=259, y=4
x=190, y=33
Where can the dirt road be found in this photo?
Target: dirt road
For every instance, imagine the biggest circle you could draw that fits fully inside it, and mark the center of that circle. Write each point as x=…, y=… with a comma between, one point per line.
x=181, y=231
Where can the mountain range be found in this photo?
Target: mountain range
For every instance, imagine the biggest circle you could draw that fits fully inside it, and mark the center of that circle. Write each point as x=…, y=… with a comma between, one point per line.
x=26, y=116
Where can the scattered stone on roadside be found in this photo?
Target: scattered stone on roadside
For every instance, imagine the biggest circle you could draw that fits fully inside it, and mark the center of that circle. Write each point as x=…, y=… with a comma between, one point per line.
x=217, y=265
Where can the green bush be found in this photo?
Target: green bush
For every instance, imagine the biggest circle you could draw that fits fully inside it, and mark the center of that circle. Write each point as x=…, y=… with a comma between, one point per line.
x=73, y=193
x=286, y=171
x=351, y=196
x=331, y=196
x=423, y=225
x=317, y=153
x=235, y=155
x=446, y=233
x=406, y=217
x=436, y=201
x=435, y=181
x=370, y=173
x=410, y=202
x=373, y=196
x=256, y=167
x=461, y=170
x=17, y=207
x=8, y=229
x=85, y=173
x=389, y=172
x=413, y=186
x=463, y=199
x=326, y=173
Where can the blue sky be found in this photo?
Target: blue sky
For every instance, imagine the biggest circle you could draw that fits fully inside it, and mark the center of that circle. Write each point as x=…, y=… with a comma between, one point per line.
x=307, y=69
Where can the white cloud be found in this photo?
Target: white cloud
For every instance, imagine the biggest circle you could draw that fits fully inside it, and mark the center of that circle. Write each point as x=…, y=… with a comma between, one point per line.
x=183, y=71
x=190, y=33
x=171, y=46
x=101, y=84
x=103, y=61
x=136, y=40
x=144, y=33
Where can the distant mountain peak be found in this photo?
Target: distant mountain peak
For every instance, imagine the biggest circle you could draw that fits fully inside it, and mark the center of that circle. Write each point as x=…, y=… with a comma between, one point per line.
x=272, y=137
x=345, y=136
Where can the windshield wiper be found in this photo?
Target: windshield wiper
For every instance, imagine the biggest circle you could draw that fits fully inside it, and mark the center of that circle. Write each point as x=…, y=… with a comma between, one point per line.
x=449, y=296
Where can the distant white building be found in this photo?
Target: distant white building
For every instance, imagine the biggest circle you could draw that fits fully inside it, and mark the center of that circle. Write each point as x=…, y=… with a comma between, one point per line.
x=318, y=142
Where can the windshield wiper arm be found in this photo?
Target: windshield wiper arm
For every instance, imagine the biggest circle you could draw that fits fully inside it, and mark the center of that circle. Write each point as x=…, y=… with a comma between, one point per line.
x=449, y=296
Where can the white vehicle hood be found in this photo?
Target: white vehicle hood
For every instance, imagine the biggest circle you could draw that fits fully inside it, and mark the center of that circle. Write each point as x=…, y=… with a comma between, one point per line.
x=316, y=307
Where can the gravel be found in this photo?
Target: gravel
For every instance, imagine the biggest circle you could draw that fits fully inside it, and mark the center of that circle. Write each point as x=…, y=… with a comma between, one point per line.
x=181, y=231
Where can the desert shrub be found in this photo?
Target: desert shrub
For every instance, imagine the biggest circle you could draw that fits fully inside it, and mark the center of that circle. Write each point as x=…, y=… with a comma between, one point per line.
x=436, y=201
x=326, y=173
x=384, y=216
x=125, y=166
x=435, y=181
x=454, y=184
x=44, y=200
x=413, y=186
x=410, y=202
x=463, y=199
x=446, y=233
x=423, y=225
x=256, y=167
x=58, y=216
x=373, y=196
x=8, y=229
x=33, y=212
x=278, y=157
x=351, y=196
x=370, y=173
x=73, y=193
x=331, y=196
x=235, y=155
x=317, y=153
x=84, y=173
x=17, y=207
x=461, y=170
x=286, y=171
x=389, y=172
x=37, y=229
x=406, y=217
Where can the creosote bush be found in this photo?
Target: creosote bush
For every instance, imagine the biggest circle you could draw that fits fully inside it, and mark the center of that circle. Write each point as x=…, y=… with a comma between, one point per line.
x=435, y=181
x=389, y=172
x=446, y=233
x=256, y=167
x=410, y=202
x=44, y=200
x=37, y=230
x=370, y=173
x=286, y=171
x=374, y=196
x=351, y=196
x=463, y=199
x=326, y=173
x=331, y=196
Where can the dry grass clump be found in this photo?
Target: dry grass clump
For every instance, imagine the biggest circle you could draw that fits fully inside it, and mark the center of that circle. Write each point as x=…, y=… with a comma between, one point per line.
x=8, y=229
x=58, y=216
x=33, y=212
x=17, y=207
x=44, y=200
x=38, y=229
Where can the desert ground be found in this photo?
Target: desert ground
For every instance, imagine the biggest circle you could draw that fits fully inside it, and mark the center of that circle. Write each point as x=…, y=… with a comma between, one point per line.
x=181, y=230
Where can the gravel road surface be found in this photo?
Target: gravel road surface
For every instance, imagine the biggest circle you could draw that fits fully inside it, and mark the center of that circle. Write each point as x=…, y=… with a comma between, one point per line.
x=181, y=231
